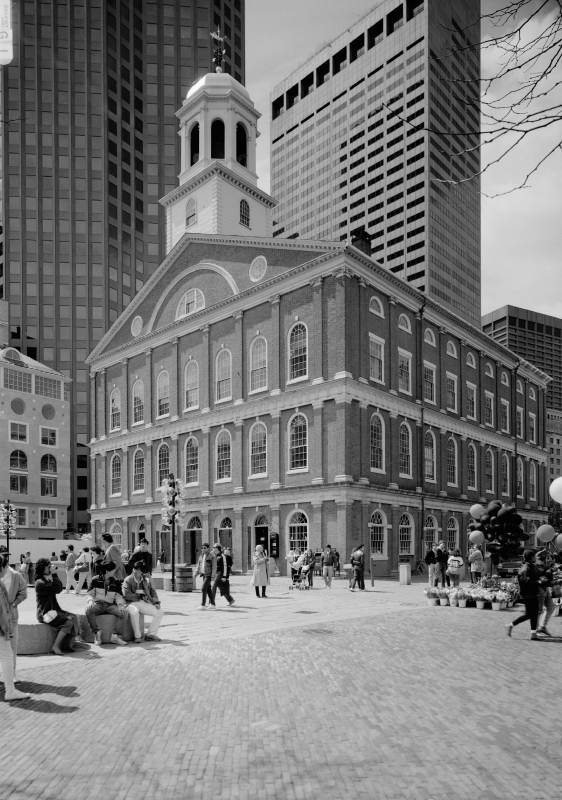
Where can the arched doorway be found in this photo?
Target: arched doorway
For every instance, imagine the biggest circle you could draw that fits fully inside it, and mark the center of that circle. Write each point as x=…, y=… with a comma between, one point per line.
x=225, y=532
x=430, y=533
x=261, y=532
x=193, y=540
x=141, y=532
x=298, y=531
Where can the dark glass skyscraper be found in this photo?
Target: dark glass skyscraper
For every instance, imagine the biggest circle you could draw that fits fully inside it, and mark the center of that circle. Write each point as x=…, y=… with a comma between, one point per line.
x=88, y=146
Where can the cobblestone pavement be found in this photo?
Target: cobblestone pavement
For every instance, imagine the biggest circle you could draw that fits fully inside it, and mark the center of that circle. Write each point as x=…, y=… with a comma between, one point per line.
x=368, y=695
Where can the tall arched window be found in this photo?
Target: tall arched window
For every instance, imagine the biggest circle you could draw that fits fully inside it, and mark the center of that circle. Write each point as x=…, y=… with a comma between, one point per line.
x=194, y=524
x=18, y=460
x=489, y=469
x=241, y=144
x=163, y=393
x=138, y=402
x=298, y=531
x=532, y=481
x=505, y=474
x=138, y=471
x=258, y=364
x=378, y=535
x=191, y=381
x=223, y=375
x=116, y=475
x=471, y=467
x=48, y=463
x=452, y=534
x=519, y=478
x=532, y=540
x=258, y=449
x=191, y=212
x=192, y=460
x=217, y=139
x=115, y=410
x=429, y=337
x=117, y=533
x=192, y=301
x=429, y=456
x=405, y=535
x=194, y=145
x=223, y=456
x=405, y=451
x=451, y=462
x=298, y=352
x=298, y=442
x=244, y=213
x=430, y=532
x=163, y=463
x=377, y=443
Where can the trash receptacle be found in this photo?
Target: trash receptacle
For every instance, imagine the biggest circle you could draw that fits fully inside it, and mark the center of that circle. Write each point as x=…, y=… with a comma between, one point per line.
x=184, y=579
x=405, y=572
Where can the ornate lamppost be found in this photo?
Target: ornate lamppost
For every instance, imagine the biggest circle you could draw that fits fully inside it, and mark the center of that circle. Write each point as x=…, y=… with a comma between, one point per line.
x=8, y=517
x=173, y=512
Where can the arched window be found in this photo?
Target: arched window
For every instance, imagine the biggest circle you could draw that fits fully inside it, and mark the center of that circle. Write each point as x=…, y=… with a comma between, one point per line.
x=532, y=540
x=163, y=393
x=378, y=535
x=505, y=474
x=194, y=145
x=505, y=379
x=375, y=307
x=258, y=364
x=115, y=410
x=404, y=323
x=405, y=535
x=430, y=532
x=48, y=463
x=519, y=387
x=217, y=139
x=429, y=337
x=192, y=460
x=471, y=476
x=244, y=213
x=194, y=524
x=298, y=442
x=241, y=144
x=470, y=360
x=489, y=469
x=452, y=534
x=298, y=531
x=223, y=375
x=489, y=370
x=138, y=471
x=451, y=462
x=430, y=469
x=138, y=402
x=163, y=463
x=223, y=456
x=519, y=477
x=532, y=481
x=18, y=460
x=117, y=533
x=377, y=443
x=451, y=349
x=298, y=352
x=258, y=449
x=116, y=475
x=532, y=394
x=405, y=451
x=191, y=381
x=191, y=212
x=192, y=301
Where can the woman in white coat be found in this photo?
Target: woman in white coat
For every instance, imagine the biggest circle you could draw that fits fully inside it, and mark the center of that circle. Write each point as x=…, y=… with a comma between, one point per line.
x=261, y=571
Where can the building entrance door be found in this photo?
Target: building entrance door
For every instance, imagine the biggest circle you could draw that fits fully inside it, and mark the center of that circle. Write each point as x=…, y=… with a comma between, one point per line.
x=262, y=537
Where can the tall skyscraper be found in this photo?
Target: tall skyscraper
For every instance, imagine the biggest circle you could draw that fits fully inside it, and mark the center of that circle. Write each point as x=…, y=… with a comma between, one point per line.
x=365, y=130
x=89, y=144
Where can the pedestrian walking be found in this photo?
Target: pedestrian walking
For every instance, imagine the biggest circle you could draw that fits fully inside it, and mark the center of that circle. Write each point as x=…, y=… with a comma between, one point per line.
x=222, y=580
x=112, y=555
x=260, y=578
x=7, y=660
x=141, y=598
x=476, y=563
x=328, y=566
x=530, y=582
x=441, y=558
x=430, y=560
x=358, y=566
x=162, y=560
x=455, y=564
x=83, y=569
x=205, y=569
x=309, y=560
x=97, y=559
x=69, y=566
x=546, y=603
x=47, y=586
x=16, y=588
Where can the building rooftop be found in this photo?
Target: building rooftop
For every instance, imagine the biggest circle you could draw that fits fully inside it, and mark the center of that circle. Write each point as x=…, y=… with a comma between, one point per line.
x=9, y=355
x=218, y=83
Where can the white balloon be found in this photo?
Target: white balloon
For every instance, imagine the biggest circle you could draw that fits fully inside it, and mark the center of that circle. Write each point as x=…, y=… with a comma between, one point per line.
x=476, y=511
x=546, y=533
x=555, y=490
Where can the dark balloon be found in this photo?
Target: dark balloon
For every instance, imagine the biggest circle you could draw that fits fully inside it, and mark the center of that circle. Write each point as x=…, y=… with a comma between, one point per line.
x=524, y=536
x=505, y=513
x=485, y=518
x=489, y=535
x=517, y=519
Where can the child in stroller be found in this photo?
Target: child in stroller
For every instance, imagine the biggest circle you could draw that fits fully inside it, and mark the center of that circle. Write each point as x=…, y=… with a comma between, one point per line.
x=299, y=571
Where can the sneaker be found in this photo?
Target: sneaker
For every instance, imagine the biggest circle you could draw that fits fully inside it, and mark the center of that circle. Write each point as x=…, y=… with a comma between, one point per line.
x=350, y=589
x=202, y=608
x=118, y=640
x=534, y=636
x=509, y=628
x=150, y=637
x=15, y=694
x=138, y=639
x=97, y=638
x=232, y=603
x=212, y=607
x=544, y=632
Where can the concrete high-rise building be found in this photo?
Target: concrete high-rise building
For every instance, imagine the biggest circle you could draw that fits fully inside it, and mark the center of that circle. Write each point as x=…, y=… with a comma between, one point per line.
x=535, y=337
x=89, y=144
x=363, y=133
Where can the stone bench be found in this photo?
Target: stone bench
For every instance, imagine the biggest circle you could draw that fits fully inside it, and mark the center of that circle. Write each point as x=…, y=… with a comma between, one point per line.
x=39, y=638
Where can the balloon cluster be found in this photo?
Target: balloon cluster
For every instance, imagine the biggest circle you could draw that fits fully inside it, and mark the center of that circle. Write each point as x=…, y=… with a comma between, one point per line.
x=499, y=525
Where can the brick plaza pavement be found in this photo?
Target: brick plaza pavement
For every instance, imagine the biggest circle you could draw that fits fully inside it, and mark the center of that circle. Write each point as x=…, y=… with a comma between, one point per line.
x=369, y=695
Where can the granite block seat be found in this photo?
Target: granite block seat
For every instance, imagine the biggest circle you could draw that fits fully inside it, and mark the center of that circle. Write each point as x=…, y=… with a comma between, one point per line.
x=106, y=624
x=39, y=638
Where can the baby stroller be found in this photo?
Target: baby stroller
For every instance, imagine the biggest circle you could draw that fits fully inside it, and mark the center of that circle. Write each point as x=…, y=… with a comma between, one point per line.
x=300, y=576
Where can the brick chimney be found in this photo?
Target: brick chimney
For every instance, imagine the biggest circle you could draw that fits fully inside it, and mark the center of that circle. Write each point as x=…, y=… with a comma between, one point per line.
x=362, y=241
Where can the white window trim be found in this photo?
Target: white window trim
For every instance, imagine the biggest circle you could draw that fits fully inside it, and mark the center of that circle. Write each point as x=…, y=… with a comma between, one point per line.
x=503, y=404
x=491, y=395
x=473, y=488
x=297, y=471
x=194, y=483
x=298, y=380
x=403, y=474
x=266, y=387
x=191, y=408
x=163, y=416
x=520, y=460
x=136, y=491
x=454, y=354
x=17, y=422
x=412, y=537
x=115, y=495
x=472, y=386
x=378, y=340
x=117, y=392
x=401, y=327
x=506, y=381
x=49, y=446
x=493, y=489
x=430, y=480
x=519, y=411
x=433, y=368
x=532, y=394
x=48, y=527
x=384, y=555
x=469, y=360
x=506, y=494
x=223, y=480
x=375, y=470
x=223, y=400
x=22, y=524
x=300, y=469
x=490, y=373
x=288, y=354
x=136, y=424
x=408, y=355
x=380, y=312
x=256, y=475
x=456, y=483
x=532, y=486
x=534, y=418
x=519, y=387
x=433, y=341
x=257, y=391
x=456, y=382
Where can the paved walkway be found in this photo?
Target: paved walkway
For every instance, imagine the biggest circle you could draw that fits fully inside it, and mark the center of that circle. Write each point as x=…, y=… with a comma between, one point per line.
x=367, y=695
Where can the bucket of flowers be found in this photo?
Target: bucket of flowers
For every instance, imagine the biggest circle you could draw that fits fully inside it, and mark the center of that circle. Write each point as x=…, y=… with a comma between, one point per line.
x=480, y=595
x=443, y=597
x=432, y=595
x=462, y=597
x=511, y=588
x=454, y=597
x=500, y=600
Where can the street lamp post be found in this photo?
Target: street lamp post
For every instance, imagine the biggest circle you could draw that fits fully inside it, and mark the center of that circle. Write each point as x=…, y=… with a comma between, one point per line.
x=8, y=516
x=173, y=512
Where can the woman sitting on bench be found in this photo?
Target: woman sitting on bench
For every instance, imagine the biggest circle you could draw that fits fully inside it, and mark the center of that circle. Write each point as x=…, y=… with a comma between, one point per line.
x=47, y=587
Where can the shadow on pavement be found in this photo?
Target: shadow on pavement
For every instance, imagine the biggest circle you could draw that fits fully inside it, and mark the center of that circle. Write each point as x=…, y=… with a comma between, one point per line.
x=41, y=706
x=45, y=688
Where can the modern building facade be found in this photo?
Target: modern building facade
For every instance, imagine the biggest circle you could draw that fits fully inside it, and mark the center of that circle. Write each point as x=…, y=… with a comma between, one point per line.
x=89, y=144
x=365, y=132
x=304, y=393
x=554, y=436
x=35, y=423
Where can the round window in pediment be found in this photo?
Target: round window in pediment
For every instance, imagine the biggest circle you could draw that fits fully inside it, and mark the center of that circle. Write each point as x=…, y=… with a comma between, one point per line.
x=258, y=268
x=136, y=326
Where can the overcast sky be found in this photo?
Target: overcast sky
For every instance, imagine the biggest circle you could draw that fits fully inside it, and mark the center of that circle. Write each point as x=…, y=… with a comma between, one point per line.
x=521, y=231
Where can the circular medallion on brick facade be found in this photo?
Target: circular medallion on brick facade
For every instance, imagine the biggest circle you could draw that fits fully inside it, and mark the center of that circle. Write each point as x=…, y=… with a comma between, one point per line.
x=18, y=406
x=48, y=411
x=258, y=268
x=136, y=326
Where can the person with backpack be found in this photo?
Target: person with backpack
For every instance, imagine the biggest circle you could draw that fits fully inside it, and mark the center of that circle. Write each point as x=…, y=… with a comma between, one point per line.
x=358, y=566
x=328, y=564
x=70, y=567
x=454, y=567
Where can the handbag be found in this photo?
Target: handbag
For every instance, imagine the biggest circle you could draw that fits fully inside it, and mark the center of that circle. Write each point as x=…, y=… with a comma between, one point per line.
x=24, y=568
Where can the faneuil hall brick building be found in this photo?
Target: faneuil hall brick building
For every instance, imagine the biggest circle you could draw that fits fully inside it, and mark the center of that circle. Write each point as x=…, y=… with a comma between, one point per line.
x=304, y=393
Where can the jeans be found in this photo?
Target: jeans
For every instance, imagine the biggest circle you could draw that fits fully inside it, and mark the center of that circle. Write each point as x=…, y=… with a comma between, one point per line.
x=224, y=589
x=475, y=576
x=431, y=570
x=440, y=574
x=83, y=577
x=546, y=608
x=357, y=578
x=207, y=591
x=531, y=612
x=71, y=583
x=328, y=574
x=96, y=609
x=455, y=579
x=149, y=610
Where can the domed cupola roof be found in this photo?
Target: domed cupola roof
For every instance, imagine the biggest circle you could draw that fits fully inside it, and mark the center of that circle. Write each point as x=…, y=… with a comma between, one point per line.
x=218, y=84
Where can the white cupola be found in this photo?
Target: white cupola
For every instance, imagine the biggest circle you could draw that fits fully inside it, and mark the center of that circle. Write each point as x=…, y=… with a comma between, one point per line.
x=218, y=191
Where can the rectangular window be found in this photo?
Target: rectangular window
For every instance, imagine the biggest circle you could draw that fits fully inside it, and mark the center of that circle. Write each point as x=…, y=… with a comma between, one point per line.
x=21, y=517
x=48, y=487
x=428, y=382
x=49, y=437
x=532, y=428
x=48, y=517
x=405, y=371
x=18, y=484
x=489, y=409
x=376, y=358
x=505, y=416
x=519, y=423
x=470, y=401
x=451, y=392
x=18, y=432
x=16, y=380
x=47, y=387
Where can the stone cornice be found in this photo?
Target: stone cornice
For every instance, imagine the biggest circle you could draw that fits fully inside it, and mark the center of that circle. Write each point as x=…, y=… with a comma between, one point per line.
x=217, y=170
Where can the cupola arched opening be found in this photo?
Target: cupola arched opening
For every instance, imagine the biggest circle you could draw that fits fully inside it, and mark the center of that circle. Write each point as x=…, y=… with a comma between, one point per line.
x=194, y=145
x=217, y=139
x=241, y=144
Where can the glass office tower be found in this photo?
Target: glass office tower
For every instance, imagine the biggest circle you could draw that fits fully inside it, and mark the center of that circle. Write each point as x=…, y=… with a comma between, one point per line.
x=88, y=145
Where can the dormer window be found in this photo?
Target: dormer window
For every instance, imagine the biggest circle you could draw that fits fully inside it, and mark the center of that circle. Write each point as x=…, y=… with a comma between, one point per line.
x=192, y=301
x=241, y=145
